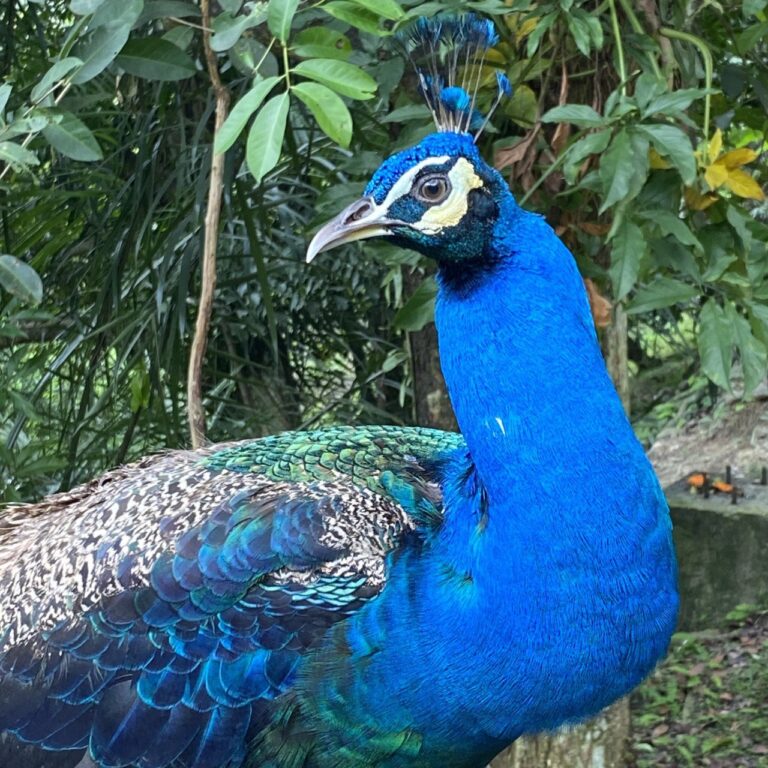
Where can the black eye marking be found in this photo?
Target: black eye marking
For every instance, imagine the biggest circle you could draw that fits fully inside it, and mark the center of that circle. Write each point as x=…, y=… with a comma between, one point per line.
x=432, y=189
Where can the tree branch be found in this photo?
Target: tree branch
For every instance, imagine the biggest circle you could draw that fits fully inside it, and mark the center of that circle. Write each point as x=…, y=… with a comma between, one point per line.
x=195, y=411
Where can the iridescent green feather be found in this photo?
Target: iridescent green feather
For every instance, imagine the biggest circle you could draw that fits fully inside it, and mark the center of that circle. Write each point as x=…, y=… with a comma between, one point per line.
x=362, y=454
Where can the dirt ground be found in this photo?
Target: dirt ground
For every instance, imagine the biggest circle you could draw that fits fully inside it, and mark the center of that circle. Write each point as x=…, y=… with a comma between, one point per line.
x=734, y=433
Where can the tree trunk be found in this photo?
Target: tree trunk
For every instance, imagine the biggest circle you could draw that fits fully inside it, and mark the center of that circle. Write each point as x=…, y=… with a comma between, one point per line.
x=431, y=403
x=617, y=355
x=600, y=743
x=432, y=407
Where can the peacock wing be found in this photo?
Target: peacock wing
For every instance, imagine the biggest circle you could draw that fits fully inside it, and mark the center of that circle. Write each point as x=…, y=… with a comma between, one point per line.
x=155, y=617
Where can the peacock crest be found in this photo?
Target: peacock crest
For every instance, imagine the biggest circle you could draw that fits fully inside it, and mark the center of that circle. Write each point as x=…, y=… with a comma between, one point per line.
x=448, y=54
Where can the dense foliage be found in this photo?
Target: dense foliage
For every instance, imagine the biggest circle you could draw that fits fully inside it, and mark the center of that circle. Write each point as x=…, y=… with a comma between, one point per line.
x=639, y=130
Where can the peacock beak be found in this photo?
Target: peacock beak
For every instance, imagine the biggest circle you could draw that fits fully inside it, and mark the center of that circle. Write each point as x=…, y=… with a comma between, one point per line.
x=359, y=221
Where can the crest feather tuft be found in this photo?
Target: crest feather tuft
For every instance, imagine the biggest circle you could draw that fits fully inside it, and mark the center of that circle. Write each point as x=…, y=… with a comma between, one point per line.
x=448, y=54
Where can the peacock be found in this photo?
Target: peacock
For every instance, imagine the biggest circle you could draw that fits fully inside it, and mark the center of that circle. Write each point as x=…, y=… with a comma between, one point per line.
x=375, y=595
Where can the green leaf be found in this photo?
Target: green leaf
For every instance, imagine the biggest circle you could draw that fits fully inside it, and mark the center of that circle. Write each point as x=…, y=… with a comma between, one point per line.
x=280, y=14
x=140, y=387
x=753, y=7
x=265, y=138
x=328, y=109
x=17, y=156
x=163, y=9
x=72, y=137
x=669, y=254
x=387, y=9
x=591, y=144
x=84, y=7
x=740, y=222
x=595, y=30
x=227, y=29
x=758, y=314
x=541, y=29
x=419, y=310
x=19, y=279
x=354, y=14
x=754, y=358
x=673, y=101
x=250, y=58
x=321, y=43
x=180, y=36
x=114, y=14
x=671, y=224
x=617, y=170
x=55, y=74
x=733, y=79
x=32, y=124
x=718, y=247
x=241, y=113
x=408, y=113
x=25, y=406
x=715, y=341
x=641, y=165
x=153, y=58
x=346, y=79
x=750, y=37
x=99, y=51
x=673, y=144
x=578, y=114
x=5, y=92
x=627, y=248
x=523, y=107
x=662, y=292
x=647, y=86
x=580, y=31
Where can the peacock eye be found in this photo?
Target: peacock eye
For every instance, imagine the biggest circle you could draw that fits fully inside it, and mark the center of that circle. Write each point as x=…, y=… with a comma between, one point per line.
x=432, y=189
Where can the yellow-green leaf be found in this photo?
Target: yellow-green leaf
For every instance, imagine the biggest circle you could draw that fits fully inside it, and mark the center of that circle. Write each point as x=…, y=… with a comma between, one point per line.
x=346, y=79
x=735, y=158
x=387, y=9
x=241, y=113
x=715, y=145
x=743, y=185
x=628, y=246
x=354, y=14
x=280, y=14
x=265, y=139
x=715, y=341
x=716, y=175
x=328, y=109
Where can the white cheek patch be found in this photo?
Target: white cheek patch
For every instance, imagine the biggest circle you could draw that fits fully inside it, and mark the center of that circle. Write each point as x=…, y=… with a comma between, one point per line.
x=450, y=212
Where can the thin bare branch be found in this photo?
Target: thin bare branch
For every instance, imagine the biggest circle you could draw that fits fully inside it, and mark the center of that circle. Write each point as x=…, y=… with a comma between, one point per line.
x=195, y=410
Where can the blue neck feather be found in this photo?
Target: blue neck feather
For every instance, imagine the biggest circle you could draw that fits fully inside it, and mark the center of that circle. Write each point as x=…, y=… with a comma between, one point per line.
x=522, y=362
x=549, y=589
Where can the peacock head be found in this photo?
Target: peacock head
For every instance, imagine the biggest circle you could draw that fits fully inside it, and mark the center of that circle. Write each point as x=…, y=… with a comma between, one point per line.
x=438, y=197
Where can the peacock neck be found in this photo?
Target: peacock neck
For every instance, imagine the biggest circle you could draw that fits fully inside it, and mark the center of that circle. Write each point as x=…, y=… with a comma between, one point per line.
x=523, y=367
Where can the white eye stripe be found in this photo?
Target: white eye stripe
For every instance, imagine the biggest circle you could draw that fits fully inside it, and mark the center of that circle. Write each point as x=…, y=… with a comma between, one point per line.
x=403, y=185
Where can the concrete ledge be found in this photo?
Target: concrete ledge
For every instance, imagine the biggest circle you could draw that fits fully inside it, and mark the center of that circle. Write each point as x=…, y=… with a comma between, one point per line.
x=722, y=551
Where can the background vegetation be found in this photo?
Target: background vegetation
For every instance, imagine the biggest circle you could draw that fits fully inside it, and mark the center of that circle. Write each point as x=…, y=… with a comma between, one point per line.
x=638, y=129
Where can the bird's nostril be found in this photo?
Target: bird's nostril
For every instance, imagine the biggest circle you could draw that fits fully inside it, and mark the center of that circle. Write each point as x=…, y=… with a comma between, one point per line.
x=358, y=210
